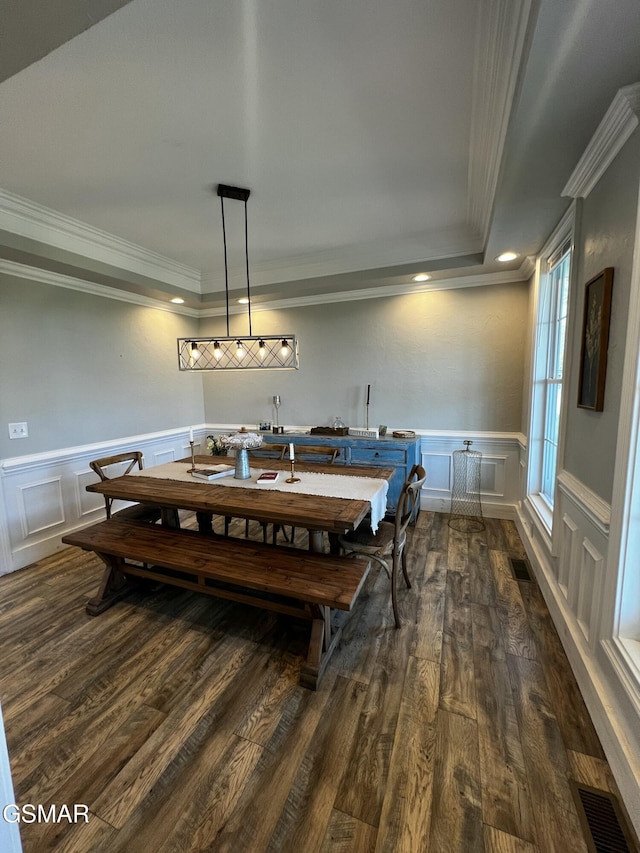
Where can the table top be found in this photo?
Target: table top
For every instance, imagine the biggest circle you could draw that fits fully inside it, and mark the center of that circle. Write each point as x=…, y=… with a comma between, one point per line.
x=337, y=515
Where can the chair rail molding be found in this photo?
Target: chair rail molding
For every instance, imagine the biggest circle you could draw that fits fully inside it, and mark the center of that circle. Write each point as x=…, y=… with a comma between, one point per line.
x=597, y=510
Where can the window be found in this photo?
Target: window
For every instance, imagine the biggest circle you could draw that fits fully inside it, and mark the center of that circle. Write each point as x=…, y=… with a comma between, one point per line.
x=554, y=325
x=552, y=305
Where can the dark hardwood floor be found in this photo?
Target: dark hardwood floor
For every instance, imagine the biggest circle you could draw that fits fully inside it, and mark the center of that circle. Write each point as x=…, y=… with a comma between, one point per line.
x=179, y=721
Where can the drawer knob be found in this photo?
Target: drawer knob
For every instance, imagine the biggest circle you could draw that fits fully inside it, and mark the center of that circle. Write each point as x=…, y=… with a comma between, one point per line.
x=377, y=454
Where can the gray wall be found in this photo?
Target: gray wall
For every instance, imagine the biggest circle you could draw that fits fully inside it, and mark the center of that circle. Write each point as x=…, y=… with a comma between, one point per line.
x=444, y=360
x=606, y=239
x=81, y=368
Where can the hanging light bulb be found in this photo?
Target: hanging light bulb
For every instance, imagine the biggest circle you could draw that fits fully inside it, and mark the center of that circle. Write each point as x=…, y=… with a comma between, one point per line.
x=239, y=350
x=195, y=352
x=284, y=351
x=262, y=349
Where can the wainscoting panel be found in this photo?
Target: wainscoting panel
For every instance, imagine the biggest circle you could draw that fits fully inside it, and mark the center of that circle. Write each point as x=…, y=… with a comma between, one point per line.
x=569, y=549
x=500, y=471
x=572, y=583
x=582, y=551
x=43, y=496
x=587, y=592
x=439, y=476
x=40, y=506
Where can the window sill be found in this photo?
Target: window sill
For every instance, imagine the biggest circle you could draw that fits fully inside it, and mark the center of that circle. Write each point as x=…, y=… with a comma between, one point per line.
x=542, y=516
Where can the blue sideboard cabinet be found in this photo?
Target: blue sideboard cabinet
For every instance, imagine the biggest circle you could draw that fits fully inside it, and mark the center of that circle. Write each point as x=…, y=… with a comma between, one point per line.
x=387, y=452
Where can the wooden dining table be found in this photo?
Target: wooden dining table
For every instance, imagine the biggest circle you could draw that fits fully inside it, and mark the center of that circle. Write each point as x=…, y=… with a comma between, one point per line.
x=318, y=514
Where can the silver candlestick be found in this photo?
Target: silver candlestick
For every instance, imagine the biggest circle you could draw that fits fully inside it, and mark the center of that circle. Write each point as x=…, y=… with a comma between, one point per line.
x=277, y=402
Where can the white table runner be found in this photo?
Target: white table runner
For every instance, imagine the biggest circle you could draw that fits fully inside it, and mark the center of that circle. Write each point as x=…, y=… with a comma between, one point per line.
x=311, y=483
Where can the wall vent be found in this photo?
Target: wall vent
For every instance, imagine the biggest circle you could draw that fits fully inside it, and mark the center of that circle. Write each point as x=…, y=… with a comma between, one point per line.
x=603, y=824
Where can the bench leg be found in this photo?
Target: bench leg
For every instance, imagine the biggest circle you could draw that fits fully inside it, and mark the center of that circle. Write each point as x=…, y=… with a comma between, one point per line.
x=114, y=586
x=322, y=644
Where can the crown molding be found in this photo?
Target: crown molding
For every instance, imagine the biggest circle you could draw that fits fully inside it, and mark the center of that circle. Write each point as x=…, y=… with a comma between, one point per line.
x=481, y=280
x=33, y=221
x=528, y=266
x=418, y=248
x=55, y=279
x=619, y=122
x=500, y=46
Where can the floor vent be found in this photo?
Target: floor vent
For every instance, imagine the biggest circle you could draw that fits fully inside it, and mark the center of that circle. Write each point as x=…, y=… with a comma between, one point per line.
x=520, y=569
x=604, y=826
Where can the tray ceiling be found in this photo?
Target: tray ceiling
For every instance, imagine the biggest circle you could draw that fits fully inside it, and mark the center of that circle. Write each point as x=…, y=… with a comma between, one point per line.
x=378, y=139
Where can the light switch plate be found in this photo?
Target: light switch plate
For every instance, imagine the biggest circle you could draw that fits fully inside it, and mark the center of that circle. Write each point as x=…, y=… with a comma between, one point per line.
x=19, y=430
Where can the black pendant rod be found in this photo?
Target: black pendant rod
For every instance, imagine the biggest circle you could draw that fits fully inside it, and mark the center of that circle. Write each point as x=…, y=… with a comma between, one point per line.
x=226, y=270
x=246, y=257
x=238, y=194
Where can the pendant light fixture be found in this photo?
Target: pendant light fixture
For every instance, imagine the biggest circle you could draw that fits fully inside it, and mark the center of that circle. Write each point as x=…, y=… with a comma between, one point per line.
x=233, y=352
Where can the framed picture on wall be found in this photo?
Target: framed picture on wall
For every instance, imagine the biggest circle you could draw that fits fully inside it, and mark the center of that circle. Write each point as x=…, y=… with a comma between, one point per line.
x=595, y=341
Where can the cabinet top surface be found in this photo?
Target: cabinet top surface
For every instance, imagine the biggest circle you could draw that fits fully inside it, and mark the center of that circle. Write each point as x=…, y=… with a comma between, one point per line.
x=336, y=439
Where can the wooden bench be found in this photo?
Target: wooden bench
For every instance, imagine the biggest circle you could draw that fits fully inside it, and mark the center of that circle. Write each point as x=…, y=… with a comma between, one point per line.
x=287, y=580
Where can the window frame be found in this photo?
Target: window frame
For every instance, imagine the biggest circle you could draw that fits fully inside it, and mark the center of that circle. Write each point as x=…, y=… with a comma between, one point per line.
x=561, y=242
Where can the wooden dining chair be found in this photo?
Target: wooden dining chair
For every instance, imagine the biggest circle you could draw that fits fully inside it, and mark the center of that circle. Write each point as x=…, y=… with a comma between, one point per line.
x=314, y=453
x=257, y=459
x=126, y=462
x=390, y=539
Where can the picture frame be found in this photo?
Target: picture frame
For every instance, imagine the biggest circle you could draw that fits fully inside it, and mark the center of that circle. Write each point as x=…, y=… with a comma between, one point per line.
x=595, y=340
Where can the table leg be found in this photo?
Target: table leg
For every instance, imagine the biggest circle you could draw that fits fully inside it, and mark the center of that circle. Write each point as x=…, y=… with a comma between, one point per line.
x=170, y=518
x=205, y=522
x=316, y=541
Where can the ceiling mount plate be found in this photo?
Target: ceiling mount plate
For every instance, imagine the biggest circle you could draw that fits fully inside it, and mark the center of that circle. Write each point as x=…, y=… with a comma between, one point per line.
x=237, y=193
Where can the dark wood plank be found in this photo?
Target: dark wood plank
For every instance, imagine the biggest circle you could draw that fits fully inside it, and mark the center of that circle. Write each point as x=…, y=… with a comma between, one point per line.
x=457, y=679
x=456, y=819
x=519, y=638
x=506, y=804
x=180, y=717
x=406, y=813
x=345, y=834
x=363, y=787
x=547, y=764
x=304, y=818
x=578, y=731
x=427, y=636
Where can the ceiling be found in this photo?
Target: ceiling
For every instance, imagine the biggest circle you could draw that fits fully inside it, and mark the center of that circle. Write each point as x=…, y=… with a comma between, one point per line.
x=378, y=139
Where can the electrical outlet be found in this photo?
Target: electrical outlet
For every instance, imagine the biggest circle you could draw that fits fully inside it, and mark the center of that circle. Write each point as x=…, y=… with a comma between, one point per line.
x=19, y=430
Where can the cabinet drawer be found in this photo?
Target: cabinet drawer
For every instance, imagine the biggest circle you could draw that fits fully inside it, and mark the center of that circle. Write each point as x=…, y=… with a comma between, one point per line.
x=375, y=456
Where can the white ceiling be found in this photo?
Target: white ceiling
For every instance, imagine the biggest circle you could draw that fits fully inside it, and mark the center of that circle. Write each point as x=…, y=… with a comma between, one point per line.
x=378, y=138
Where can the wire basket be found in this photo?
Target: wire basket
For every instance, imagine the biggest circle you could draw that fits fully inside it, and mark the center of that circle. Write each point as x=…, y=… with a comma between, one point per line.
x=466, y=509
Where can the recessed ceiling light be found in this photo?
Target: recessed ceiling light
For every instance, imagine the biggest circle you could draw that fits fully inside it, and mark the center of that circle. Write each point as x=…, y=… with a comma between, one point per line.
x=507, y=256
x=421, y=277
x=177, y=300
x=243, y=300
